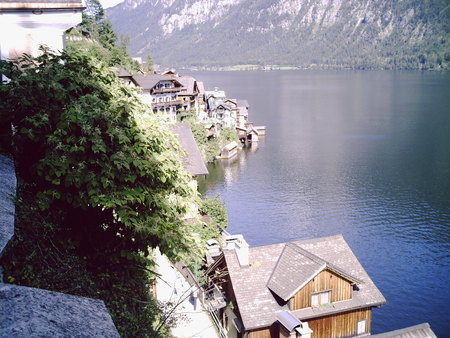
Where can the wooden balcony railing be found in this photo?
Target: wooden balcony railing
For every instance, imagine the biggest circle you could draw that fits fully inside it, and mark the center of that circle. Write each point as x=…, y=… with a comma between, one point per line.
x=166, y=90
x=167, y=104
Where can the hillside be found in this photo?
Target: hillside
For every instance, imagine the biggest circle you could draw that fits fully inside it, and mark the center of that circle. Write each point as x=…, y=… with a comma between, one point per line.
x=325, y=33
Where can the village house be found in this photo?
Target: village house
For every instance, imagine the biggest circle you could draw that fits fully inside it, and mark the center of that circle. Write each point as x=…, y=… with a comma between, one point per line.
x=202, y=114
x=126, y=77
x=242, y=116
x=307, y=288
x=160, y=92
x=223, y=111
x=189, y=94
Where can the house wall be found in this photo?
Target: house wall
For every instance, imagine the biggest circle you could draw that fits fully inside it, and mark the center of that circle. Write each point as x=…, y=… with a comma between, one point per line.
x=340, y=325
x=23, y=32
x=267, y=332
x=341, y=289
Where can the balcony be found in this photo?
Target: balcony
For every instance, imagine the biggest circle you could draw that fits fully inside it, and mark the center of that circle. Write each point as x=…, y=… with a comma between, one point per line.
x=167, y=104
x=165, y=90
x=215, y=298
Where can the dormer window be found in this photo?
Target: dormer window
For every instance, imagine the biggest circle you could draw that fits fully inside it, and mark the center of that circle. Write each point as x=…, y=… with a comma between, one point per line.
x=320, y=298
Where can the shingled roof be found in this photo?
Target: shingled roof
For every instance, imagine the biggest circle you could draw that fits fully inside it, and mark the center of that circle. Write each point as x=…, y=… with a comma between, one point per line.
x=188, y=82
x=149, y=81
x=193, y=161
x=259, y=306
x=295, y=268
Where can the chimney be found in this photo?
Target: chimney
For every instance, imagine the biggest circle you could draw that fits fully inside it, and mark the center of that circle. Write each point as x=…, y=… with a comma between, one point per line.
x=240, y=246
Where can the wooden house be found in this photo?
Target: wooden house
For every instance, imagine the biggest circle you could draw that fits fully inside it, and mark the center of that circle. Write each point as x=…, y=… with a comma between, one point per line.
x=229, y=150
x=308, y=288
x=242, y=116
x=161, y=93
x=189, y=94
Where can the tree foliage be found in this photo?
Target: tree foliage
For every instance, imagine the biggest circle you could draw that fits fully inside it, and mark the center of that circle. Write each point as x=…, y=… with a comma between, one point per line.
x=96, y=37
x=210, y=148
x=103, y=184
x=83, y=139
x=214, y=208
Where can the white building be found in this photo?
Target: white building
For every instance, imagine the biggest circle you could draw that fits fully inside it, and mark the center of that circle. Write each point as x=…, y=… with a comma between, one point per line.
x=161, y=92
x=26, y=25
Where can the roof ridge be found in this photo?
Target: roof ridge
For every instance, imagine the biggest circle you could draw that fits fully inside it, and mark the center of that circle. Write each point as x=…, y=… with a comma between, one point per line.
x=275, y=267
x=306, y=253
x=329, y=265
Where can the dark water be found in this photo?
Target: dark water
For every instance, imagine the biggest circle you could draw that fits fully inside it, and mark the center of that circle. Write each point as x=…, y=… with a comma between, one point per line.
x=365, y=154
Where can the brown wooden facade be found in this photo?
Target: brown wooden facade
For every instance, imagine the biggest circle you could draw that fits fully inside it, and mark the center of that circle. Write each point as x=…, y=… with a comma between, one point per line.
x=333, y=326
x=340, y=289
x=340, y=325
x=268, y=332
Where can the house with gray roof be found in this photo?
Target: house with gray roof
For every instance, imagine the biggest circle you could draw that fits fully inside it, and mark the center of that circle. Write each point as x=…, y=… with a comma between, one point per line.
x=189, y=94
x=306, y=288
x=160, y=92
x=242, y=116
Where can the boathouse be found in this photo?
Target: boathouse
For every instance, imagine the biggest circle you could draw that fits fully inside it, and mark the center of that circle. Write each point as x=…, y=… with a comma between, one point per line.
x=307, y=288
x=229, y=150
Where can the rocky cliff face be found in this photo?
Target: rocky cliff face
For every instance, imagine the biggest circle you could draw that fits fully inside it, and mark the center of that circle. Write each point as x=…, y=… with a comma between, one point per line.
x=384, y=33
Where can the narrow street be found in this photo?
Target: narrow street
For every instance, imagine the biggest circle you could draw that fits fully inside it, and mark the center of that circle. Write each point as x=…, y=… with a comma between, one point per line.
x=192, y=319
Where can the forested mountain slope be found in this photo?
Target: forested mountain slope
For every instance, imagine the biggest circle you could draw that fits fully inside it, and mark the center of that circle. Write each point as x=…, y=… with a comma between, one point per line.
x=327, y=33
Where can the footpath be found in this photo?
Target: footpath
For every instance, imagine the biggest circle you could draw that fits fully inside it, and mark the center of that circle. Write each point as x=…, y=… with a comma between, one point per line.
x=191, y=319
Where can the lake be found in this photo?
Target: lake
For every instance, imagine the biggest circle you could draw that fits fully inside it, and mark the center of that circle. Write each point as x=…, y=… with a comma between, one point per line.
x=362, y=153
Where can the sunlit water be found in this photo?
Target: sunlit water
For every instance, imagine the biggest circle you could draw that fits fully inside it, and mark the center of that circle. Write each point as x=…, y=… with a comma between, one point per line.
x=365, y=154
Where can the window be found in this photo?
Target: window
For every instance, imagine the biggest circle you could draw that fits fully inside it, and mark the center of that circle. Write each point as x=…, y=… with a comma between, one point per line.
x=362, y=326
x=315, y=299
x=320, y=298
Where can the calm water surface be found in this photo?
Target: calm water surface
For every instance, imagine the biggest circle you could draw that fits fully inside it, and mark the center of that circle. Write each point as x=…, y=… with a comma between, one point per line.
x=365, y=154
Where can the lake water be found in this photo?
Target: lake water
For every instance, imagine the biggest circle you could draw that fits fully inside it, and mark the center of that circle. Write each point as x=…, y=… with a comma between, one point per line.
x=362, y=153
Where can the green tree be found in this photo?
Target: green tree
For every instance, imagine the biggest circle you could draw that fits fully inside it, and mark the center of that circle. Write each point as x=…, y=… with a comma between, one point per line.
x=96, y=38
x=84, y=140
x=103, y=182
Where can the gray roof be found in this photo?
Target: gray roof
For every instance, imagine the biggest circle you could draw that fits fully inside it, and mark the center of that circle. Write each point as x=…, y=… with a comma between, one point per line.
x=257, y=304
x=201, y=87
x=151, y=80
x=417, y=331
x=188, y=82
x=122, y=72
x=29, y=312
x=295, y=268
x=193, y=161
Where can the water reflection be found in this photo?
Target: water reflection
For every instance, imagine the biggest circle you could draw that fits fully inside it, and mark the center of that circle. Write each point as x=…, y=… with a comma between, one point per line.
x=226, y=172
x=365, y=154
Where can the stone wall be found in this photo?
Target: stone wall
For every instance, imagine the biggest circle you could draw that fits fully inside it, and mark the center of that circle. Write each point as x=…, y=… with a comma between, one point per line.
x=30, y=312
x=7, y=196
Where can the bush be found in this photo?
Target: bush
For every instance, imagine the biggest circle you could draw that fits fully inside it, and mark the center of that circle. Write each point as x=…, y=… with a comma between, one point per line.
x=101, y=184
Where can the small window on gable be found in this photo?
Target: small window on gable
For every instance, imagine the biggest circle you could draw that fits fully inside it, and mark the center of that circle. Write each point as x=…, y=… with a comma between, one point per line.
x=325, y=297
x=315, y=299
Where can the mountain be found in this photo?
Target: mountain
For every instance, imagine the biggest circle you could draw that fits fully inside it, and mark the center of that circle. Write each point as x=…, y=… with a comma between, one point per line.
x=325, y=33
